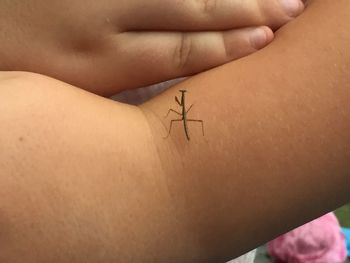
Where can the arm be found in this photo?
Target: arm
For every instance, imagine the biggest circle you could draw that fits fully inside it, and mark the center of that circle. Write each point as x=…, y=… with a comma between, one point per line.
x=277, y=147
x=89, y=180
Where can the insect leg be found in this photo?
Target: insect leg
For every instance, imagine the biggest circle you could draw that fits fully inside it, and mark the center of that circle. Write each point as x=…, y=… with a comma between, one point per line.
x=172, y=111
x=189, y=108
x=198, y=121
x=177, y=101
x=171, y=124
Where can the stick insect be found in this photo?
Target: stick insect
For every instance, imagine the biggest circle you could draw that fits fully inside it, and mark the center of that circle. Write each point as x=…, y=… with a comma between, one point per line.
x=183, y=115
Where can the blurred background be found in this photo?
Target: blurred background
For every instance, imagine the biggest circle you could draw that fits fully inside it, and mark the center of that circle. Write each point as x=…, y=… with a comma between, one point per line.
x=343, y=216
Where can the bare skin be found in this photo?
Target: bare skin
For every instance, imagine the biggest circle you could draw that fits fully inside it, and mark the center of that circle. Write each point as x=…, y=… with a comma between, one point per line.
x=84, y=179
x=107, y=46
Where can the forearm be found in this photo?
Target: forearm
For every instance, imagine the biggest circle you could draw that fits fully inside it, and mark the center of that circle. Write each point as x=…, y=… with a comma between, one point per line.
x=276, y=143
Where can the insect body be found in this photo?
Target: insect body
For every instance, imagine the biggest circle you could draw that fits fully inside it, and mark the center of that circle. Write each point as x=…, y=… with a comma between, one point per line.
x=183, y=115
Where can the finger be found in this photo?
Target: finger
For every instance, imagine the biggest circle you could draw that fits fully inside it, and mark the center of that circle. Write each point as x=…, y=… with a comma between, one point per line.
x=146, y=58
x=194, y=15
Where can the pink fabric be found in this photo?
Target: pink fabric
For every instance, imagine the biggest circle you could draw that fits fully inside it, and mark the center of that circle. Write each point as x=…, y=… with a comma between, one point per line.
x=319, y=241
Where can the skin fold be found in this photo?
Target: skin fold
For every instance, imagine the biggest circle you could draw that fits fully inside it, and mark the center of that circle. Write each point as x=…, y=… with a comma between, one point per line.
x=85, y=179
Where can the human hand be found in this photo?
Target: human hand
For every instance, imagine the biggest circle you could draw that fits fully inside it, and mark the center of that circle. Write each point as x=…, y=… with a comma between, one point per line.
x=107, y=46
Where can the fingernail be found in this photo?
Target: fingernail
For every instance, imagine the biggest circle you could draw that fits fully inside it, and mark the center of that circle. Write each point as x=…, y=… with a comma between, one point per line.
x=292, y=7
x=258, y=38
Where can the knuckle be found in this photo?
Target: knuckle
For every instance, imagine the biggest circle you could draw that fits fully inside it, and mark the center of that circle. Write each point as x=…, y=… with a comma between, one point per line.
x=228, y=50
x=272, y=15
x=266, y=13
x=209, y=6
x=183, y=51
